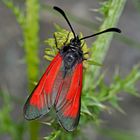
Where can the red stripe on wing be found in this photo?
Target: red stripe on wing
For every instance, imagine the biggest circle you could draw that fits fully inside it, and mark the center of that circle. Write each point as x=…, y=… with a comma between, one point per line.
x=68, y=109
x=74, y=93
x=39, y=102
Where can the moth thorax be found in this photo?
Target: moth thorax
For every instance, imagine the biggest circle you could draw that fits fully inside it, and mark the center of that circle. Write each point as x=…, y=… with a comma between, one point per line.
x=70, y=60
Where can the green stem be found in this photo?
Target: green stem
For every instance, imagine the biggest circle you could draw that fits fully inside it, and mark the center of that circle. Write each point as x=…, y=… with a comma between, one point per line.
x=29, y=23
x=101, y=45
x=31, y=44
x=31, y=39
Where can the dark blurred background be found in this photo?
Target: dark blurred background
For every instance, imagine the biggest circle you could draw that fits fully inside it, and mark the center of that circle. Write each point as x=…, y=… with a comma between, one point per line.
x=122, y=54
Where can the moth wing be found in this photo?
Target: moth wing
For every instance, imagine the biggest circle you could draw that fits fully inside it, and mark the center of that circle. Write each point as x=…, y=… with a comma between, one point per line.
x=40, y=102
x=68, y=100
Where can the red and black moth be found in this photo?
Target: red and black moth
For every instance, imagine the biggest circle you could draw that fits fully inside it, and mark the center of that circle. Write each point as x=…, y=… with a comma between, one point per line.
x=61, y=84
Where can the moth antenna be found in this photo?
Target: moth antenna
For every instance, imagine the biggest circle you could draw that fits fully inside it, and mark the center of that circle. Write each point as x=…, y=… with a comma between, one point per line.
x=64, y=15
x=107, y=30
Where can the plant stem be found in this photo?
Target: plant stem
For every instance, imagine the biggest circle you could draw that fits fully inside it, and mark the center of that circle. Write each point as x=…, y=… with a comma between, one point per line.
x=31, y=45
x=101, y=45
x=30, y=25
x=31, y=39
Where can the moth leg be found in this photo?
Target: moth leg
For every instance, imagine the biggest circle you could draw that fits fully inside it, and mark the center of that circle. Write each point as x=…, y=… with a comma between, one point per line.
x=67, y=38
x=86, y=53
x=56, y=42
x=84, y=57
x=83, y=44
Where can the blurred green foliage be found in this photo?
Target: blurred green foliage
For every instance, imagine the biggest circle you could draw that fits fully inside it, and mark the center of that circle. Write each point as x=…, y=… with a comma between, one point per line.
x=96, y=93
x=29, y=23
x=7, y=124
x=116, y=134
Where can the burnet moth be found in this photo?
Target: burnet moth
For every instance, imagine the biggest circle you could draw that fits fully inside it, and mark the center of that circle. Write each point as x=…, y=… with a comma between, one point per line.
x=61, y=85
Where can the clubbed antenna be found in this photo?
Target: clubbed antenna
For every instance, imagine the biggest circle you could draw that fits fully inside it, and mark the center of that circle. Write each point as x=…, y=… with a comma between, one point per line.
x=63, y=14
x=107, y=30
